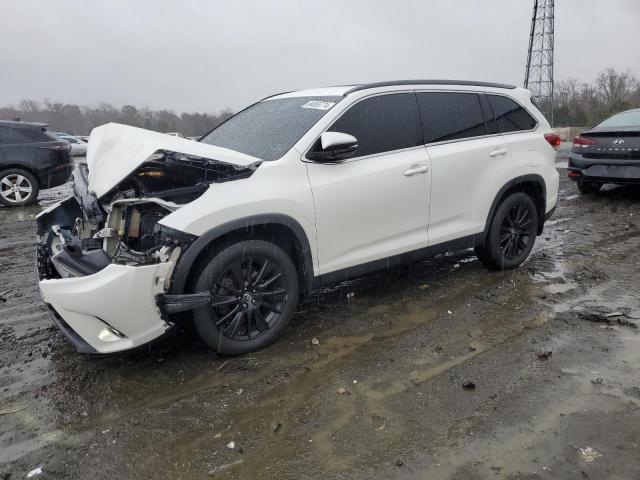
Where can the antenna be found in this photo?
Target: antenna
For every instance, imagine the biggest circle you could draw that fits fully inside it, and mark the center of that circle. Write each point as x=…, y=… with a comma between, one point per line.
x=539, y=73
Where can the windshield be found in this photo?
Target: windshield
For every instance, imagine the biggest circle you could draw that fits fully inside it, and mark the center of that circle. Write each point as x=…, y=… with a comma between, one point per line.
x=624, y=119
x=268, y=129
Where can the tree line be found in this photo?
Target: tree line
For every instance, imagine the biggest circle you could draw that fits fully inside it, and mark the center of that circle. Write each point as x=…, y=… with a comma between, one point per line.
x=584, y=104
x=80, y=120
x=577, y=103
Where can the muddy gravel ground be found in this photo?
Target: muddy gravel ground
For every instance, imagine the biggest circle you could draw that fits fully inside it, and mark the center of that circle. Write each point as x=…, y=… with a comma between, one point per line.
x=437, y=370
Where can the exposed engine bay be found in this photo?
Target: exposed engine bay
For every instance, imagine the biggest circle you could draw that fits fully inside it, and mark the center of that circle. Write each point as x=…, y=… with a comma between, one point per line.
x=84, y=234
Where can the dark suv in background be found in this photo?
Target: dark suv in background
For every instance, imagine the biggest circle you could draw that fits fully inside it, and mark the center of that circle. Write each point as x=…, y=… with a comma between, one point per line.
x=31, y=159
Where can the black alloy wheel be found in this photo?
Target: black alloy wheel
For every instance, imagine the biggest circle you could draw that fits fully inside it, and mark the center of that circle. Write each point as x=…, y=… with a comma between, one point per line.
x=254, y=289
x=512, y=233
x=516, y=232
x=249, y=297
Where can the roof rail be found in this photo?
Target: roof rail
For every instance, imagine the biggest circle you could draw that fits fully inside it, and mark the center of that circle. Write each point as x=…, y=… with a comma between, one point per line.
x=22, y=123
x=471, y=83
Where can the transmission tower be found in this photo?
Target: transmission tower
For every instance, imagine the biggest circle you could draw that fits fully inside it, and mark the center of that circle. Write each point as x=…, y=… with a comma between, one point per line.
x=539, y=73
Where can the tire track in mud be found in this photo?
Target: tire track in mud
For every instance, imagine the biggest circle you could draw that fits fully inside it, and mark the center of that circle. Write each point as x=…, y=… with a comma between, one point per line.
x=301, y=390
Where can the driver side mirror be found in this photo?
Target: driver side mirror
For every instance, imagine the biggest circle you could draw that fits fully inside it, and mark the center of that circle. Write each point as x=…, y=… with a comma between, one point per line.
x=334, y=147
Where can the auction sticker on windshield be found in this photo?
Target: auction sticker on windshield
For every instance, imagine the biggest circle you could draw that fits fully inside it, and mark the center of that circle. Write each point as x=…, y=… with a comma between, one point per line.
x=318, y=105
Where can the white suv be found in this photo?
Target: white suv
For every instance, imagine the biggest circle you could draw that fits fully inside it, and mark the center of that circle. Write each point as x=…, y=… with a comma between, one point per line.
x=299, y=190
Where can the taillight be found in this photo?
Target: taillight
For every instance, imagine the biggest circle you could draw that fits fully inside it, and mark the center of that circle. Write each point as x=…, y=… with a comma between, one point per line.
x=553, y=139
x=582, y=142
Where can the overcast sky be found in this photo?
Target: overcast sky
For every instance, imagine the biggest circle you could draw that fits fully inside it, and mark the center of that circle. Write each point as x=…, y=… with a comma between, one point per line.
x=203, y=55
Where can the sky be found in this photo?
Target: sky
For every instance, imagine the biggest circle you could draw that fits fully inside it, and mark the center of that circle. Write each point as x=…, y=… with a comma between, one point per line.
x=207, y=55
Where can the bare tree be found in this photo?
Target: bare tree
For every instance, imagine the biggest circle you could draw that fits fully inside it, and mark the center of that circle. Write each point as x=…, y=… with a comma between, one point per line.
x=616, y=88
x=585, y=104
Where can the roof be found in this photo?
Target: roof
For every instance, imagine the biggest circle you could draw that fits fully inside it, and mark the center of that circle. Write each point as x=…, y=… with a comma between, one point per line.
x=13, y=123
x=344, y=90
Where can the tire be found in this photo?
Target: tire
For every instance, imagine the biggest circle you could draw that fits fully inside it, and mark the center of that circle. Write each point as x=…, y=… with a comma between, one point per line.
x=512, y=233
x=244, y=318
x=587, y=187
x=18, y=188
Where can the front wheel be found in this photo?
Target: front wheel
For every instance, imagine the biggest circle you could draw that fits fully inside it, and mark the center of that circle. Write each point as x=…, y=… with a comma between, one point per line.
x=512, y=233
x=17, y=188
x=254, y=292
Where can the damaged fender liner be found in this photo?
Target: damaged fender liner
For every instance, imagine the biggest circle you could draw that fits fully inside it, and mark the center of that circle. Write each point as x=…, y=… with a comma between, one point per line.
x=170, y=304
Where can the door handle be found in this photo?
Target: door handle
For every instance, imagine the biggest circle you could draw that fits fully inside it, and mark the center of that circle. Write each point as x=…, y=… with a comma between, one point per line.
x=498, y=151
x=416, y=169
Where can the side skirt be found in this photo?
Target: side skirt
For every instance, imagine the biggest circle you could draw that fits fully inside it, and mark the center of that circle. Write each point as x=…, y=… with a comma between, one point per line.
x=349, y=273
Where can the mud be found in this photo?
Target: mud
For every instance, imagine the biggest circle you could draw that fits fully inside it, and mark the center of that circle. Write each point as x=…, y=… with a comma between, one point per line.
x=379, y=396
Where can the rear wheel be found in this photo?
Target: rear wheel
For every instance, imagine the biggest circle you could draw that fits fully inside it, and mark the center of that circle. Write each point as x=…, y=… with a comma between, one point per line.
x=17, y=188
x=586, y=187
x=512, y=233
x=254, y=291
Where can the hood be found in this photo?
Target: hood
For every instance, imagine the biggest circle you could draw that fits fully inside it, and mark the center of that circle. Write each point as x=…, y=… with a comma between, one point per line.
x=116, y=150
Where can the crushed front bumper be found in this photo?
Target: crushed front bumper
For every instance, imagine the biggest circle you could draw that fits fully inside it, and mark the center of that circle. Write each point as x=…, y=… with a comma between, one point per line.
x=112, y=310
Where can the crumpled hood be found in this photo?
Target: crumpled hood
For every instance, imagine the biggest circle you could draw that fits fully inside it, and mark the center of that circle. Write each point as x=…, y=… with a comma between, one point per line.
x=116, y=150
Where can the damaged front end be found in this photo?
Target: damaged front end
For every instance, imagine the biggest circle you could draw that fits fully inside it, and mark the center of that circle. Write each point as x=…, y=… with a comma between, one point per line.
x=105, y=263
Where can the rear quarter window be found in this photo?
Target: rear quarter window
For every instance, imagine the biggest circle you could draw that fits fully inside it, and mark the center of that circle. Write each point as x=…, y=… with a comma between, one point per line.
x=509, y=115
x=12, y=135
x=39, y=135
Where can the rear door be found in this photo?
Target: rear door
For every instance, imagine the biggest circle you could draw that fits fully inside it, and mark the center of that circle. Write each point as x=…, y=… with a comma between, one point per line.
x=375, y=204
x=3, y=143
x=477, y=142
x=15, y=146
x=461, y=146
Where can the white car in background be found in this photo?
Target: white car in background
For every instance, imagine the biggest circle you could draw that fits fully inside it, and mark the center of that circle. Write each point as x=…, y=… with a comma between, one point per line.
x=78, y=147
x=300, y=190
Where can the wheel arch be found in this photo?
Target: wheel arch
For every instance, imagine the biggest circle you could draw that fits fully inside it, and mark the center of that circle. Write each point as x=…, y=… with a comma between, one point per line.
x=19, y=166
x=533, y=185
x=279, y=229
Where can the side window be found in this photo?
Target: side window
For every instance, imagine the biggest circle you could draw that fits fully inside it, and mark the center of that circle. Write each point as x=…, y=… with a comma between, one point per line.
x=510, y=116
x=382, y=123
x=35, y=134
x=492, y=126
x=10, y=136
x=450, y=116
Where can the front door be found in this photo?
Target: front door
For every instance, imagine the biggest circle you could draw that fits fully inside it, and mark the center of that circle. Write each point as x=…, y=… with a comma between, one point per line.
x=375, y=204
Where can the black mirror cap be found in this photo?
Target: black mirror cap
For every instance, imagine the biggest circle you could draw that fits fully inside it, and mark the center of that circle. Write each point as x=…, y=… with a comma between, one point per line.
x=336, y=154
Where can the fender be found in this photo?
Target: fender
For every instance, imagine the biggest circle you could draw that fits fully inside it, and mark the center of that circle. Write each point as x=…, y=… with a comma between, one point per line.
x=187, y=260
x=532, y=178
